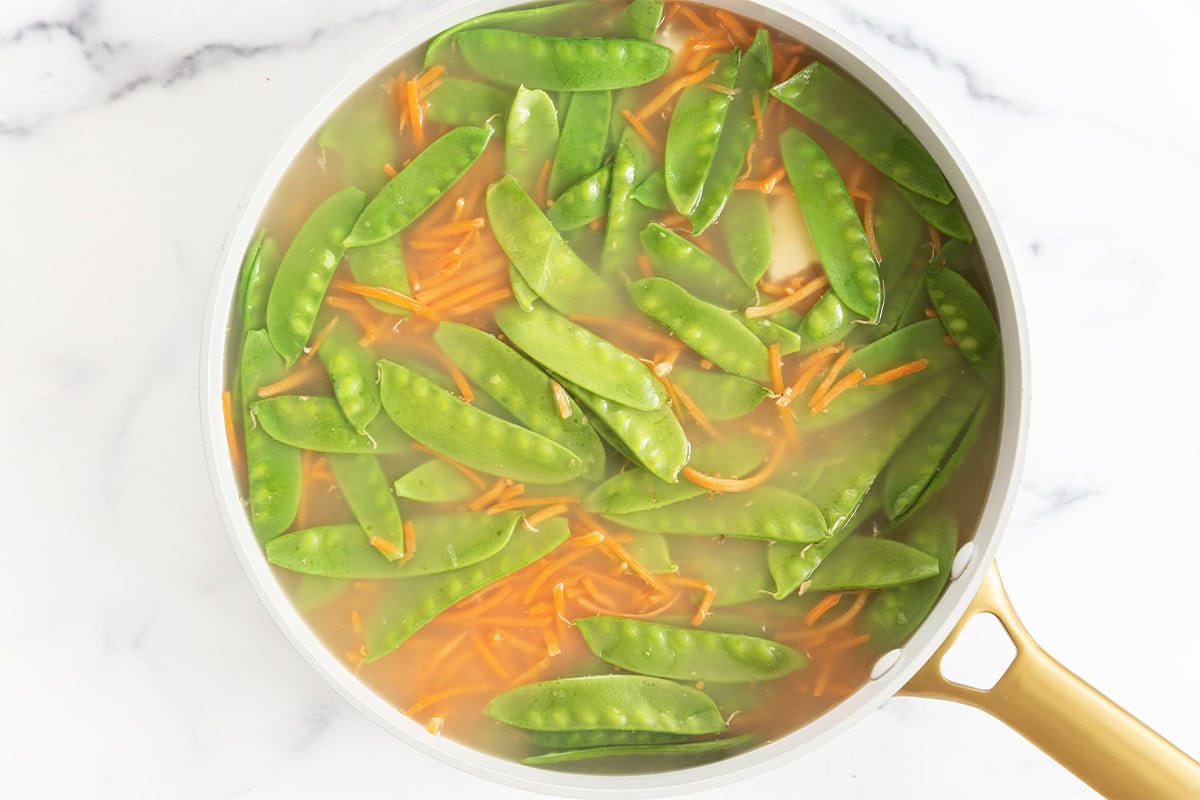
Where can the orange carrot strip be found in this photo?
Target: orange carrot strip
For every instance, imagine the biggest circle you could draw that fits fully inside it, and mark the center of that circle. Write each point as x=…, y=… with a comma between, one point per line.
x=517, y=622
x=471, y=474
x=517, y=643
x=321, y=336
x=809, y=368
x=388, y=296
x=725, y=90
x=717, y=484
x=550, y=636
x=384, y=546
x=846, y=644
x=453, y=228
x=488, y=656
x=869, y=226
x=694, y=18
x=561, y=400
x=426, y=78
x=936, y=239
x=559, y=604
x=390, y=171
x=846, y=383
x=701, y=418
x=446, y=694
x=824, y=673
x=775, y=367
x=823, y=605
x=641, y=129
x=896, y=373
x=675, y=87
x=527, y=502
x=531, y=673
x=358, y=310
x=622, y=327
x=480, y=605
x=290, y=381
x=472, y=291
x=948, y=339
x=756, y=106
x=633, y=565
x=235, y=451
x=442, y=653
x=741, y=36
x=488, y=497
x=356, y=622
x=516, y=490
x=673, y=220
x=842, y=621
x=788, y=300
x=543, y=183
x=550, y=569
x=617, y=612
x=410, y=539
x=705, y=607
x=540, y=516
x=416, y=112
x=834, y=371
x=481, y=302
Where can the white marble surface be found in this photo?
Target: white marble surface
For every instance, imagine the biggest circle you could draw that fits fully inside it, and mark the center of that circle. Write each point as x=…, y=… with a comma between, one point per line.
x=136, y=660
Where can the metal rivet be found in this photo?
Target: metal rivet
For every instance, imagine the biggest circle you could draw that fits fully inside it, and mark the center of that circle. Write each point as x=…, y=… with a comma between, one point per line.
x=883, y=665
x=962, y=560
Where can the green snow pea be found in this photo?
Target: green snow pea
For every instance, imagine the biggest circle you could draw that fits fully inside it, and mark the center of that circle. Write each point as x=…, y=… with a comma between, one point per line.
x=652, y=192
x=306, y=270
x=448, y=542
x=561, y=64
x=632, y=164
x=411, y=603
x=365, y=487
x=637, y=490
x=719, y=395
x=381, y=264
x=311, y=592
x=864, y=562
x=946, y=217
x=258, y=270
x=766, y=513
x=583, y=141
x=430, y=174
x=572, y=740
x=318, y=424
x=608, y=702
x=856, y=117
x=747, y=232
x=930, y=448
x=891, y=616
x=679, y=749
x=362, y=140
x=522, y=389
x=966, y=317
x=694, y=131
x=541, y=19
x=460, y=102
x=837, y=232
x=827, y=322
x=582, y=357
x=583, y=202
x=667, y=651
x=272, y=468
x=770, y=332
x=678, y=260
x=353, y=374
x=639, y=20
x=710, y=331
x=956, y=456
x=444, y=423
x=652, y=552
x=653, y=439
x=753, y=80
x=523, y=294
x=736, y=567
x=544, y=259
x=435, y=481
x=531, y=136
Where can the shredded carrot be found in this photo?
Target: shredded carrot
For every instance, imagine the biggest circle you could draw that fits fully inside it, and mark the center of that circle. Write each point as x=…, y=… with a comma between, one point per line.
x=633, y=565
x=809, y=368
x=776, y=368
x=470, y=474
x=559, y=605
x=527, y=502
x=765, y=185
x=356, y=624
x=432, y=239
x=472, y=291
x=622, y=327
x=948, y=339
x=554, y=566
x=360, y=311
x=788, y=300
x=705, y=607
x=869, y=226
x=517, y=622
x=384, y=546
x=531, y=673
x=388, y=296
x=824, y=673
x=896, y=373
x=321, y=336
x=290, y=381
x=617, y=612
x=410, y=539
x=846, y=383
x=561, y=400
x=235, y=450
x=454, y=228
x=390, y=171
x=480, y=606
x=846, y=644
x=741, y=36
x=519, y=644
x=845, y=619
x=551, y=639
x=694, y=18
x=416, y=112
x=543, y=183
x=823, y=605
x=426, y=78
x=935, y=237
x=540, y=516
x=718, y=484
x=675, y=87
x=641, y=129
x=725, y=90
x=834, y=371
x=488, y=656
x=477, y=303
x=756, y=106
x=516, y=490
x=694, y=410
x=446, y=694
x=491, y=495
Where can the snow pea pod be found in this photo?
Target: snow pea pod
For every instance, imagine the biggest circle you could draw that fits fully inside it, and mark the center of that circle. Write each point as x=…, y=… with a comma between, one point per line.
x=582, y=357
x=946, y=217
x=710, y=331
x=584, y=138
x=770, y=332
x=318, y=424
x=411, y=603
x=272, y=468
x=678, y=260
x=258, y=270
x=311, y=592
x=435, y=481
x=766, y=513
x=572, y=740
x=582, y=203
x=352, y=372
x=444, y=423
x=522, y=389
x=460, y=102
x=362, y=140
x=667, y=651
x=531, y=136
x=365, y=487
x=719, y=395
x=652, y=552
x=679, y=749
x=448, y=542
x=381, y=264
x=654, y=439
x=532, y=20
x=428, y=176
x=608, y=702
x=544, y=259
x=652, y=192
x=694, y=131
x=306, y=270
x=930, y=447
x=891, y=616
x=827, y=322
x=632, y=163
x=864, y=562
x=523, y=294
x=747, y=232
x=561, y=64
x=833, y=222
x=966, y=317
x=737, y=567
x=960, y=451
x=753, y=80
x=856, y=117
x=639, y=20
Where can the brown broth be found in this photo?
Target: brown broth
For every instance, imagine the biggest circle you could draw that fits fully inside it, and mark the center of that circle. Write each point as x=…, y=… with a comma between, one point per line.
x=517, y=630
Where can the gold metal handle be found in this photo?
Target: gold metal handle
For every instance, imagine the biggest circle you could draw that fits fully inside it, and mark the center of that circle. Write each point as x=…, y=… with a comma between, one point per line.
x=1055, y=709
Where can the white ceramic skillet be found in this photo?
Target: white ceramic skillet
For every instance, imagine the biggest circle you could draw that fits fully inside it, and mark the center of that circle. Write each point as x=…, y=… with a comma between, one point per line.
x=1036, y=696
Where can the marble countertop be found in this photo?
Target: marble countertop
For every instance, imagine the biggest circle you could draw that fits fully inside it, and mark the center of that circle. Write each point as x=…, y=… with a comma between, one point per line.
x=137, y=661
